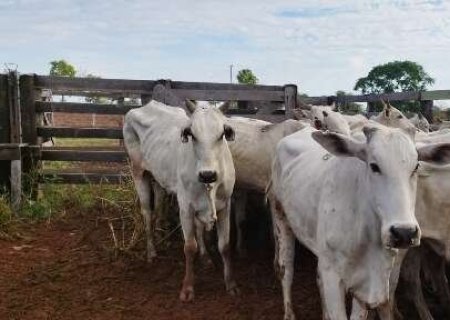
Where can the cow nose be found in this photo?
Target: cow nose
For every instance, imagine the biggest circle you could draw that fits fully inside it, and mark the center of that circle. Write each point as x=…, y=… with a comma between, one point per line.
x=404, y=237
x=207, y=176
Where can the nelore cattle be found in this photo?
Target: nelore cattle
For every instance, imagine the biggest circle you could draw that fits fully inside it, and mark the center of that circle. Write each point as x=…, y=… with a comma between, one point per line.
x=352, y=204
x=187, y=155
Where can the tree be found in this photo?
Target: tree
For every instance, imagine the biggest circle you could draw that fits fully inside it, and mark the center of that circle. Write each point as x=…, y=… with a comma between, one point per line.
x=349, y=107
x=62, y=68
x=394, y=77
x=246, y=76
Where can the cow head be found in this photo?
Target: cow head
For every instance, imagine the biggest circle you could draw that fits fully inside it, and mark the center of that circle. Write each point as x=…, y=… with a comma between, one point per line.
x=420, y=122
x=390, y=178
x=208, y=134
x=392, y=117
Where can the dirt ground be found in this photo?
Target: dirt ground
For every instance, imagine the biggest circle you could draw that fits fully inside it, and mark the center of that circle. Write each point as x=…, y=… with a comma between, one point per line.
x=65, y=269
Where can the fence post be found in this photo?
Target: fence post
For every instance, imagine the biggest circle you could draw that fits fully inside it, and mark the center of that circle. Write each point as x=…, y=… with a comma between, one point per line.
x=5, y=165
x=290, y=99
x=15, y=137
x=426, y=107
x=28, y=96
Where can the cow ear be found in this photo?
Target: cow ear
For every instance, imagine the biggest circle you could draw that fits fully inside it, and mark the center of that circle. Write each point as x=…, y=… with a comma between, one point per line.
x=386, y=109
x=185, y=133
x=229, y=133
x=340, y=145
x=224, y=106
x=436, y=153
x=191, y=106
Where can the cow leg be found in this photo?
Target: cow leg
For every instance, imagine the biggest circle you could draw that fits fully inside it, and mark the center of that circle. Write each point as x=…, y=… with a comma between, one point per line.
x=391, y=307
x=332, y=292
x=433, y=264
x=284, y=256
x=412, y=284
x=359, y=310
x=199, y=231
x=240, y=201
x=143, y=187
x=223, y=234
x=160, y=205
x=190, y=250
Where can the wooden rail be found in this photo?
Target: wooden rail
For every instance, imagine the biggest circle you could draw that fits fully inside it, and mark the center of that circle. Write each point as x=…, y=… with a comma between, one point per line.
x=22, y=128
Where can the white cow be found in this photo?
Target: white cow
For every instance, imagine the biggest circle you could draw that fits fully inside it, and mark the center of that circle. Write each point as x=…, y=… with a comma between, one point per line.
x=187, y=156
x=420, y=122
x=352, y=204
x=253, y=151
x=392, y=117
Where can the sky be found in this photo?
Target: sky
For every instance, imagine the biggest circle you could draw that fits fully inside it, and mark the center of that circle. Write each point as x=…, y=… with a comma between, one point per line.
x=322, y=46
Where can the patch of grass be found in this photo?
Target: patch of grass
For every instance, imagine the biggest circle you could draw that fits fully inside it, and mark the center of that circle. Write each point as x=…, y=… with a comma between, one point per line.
x=86, y=142
x=56, y=165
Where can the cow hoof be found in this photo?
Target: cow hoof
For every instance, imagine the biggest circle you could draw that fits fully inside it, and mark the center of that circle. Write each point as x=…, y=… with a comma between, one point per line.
x=187, y=295
x=233, y=290
x=151, y=257
x=289, y=313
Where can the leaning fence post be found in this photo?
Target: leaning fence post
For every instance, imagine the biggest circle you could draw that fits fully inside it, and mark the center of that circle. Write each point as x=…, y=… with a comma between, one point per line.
x=290, y=100
x=15, y=138
x=28, y=96
x=4, y=132
x=426, y=107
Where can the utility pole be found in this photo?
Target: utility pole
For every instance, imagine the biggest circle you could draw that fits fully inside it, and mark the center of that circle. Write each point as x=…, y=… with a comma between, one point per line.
x=231, y=73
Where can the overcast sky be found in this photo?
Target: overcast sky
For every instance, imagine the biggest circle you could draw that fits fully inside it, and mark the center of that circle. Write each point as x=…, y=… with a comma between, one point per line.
x=322, y=46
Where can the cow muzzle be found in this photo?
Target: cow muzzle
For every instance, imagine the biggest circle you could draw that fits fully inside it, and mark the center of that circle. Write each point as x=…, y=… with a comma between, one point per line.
x=402, y=237
x=207, y=176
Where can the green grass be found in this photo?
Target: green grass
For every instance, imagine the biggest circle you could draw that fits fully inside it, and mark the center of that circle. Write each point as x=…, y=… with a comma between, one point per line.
x=85, y=142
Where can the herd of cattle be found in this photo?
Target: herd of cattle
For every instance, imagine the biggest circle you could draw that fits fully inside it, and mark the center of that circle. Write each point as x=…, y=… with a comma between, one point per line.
x=365, y=196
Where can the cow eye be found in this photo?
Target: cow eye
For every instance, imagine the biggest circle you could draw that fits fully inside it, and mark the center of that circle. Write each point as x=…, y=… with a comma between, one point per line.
x=375, y=168
x=399, y=116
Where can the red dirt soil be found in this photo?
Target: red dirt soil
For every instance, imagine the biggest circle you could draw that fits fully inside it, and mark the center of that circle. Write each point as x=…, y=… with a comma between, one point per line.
x=65, y=270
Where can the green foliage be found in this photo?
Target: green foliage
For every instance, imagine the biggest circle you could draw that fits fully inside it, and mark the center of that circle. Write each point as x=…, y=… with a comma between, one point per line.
x=62, y=68
x=395, y=76
x=246, y=76
x=350, y=107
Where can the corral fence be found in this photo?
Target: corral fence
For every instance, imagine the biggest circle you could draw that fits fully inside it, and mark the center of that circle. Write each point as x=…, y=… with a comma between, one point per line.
x=24, y=100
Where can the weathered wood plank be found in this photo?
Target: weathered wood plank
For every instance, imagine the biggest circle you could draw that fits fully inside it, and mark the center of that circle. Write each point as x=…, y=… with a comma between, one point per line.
x=107, y=133
x=84, y=155
x=224, y=95
x=221, y=86
x=242, y=112
x=115, y=95
x=79, y=178
x=290, y=99
x=93, y=84
x=9, y=153
x=4, y=130
x=435, y=95
x=396, y=96
x=75, y=107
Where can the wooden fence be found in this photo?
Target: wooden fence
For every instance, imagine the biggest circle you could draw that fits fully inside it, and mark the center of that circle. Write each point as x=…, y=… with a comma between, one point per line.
x=22, y=127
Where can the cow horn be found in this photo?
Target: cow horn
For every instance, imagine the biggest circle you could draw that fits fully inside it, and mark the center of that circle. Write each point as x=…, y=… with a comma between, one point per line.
x=191, y=106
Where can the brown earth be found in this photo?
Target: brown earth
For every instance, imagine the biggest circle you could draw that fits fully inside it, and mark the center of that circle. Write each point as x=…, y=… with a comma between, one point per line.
x=66, y=269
